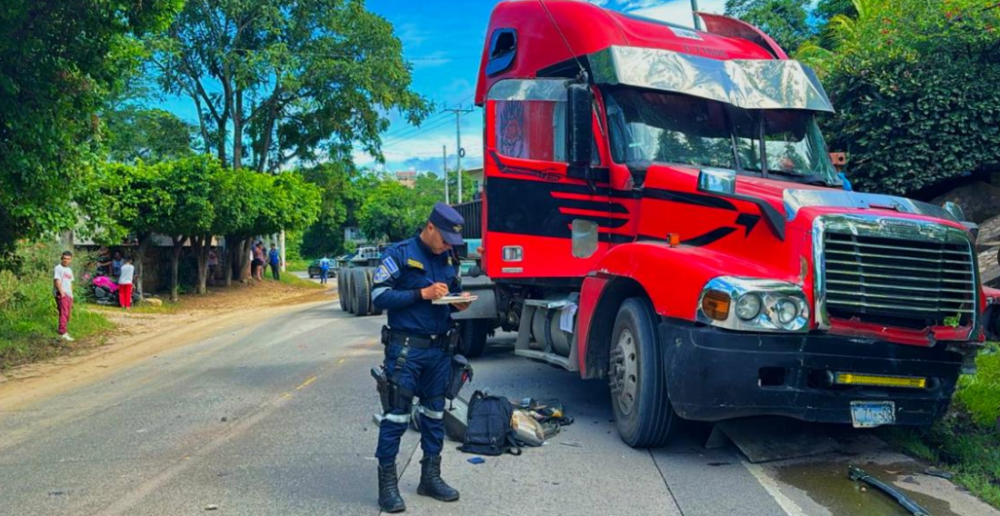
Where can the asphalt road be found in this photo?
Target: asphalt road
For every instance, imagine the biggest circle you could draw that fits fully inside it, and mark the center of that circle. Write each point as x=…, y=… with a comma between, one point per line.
x=275, y=419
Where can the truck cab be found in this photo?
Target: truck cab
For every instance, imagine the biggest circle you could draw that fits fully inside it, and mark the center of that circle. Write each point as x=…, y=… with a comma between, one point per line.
x=661, y=211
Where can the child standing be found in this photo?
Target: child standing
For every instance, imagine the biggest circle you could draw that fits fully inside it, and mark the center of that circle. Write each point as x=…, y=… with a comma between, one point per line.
x=125, y=284
x=62, y=288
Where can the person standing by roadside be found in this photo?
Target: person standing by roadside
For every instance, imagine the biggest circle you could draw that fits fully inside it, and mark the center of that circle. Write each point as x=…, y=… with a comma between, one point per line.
x=274, y=258
x=258, y=261
x=324, y=269
x=63, y=291
x=116, y=264
x=125, y=284
x=213, y=265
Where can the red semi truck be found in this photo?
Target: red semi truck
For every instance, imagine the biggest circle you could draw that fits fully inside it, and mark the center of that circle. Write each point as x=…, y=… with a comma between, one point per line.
x=660, y=211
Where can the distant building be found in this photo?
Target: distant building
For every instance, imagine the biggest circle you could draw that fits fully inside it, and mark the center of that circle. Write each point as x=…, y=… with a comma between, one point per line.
x=476, y=176
x=407, y=178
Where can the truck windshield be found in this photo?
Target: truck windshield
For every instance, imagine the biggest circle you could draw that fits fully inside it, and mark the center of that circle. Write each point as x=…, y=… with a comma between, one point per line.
x=672, y=128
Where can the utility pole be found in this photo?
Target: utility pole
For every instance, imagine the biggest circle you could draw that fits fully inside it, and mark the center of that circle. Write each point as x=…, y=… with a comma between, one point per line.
x=694, y=14
x=444, y=168
x=458, y=140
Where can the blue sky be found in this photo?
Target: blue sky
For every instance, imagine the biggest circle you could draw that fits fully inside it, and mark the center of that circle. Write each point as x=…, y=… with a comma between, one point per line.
x=443, y=39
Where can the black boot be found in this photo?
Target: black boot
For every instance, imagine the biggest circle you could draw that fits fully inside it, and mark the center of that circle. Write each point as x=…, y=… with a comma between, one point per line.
x=388, y=490
x=431, y=483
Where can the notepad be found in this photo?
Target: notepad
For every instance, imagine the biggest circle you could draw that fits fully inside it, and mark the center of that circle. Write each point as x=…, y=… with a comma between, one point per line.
x=451, y=300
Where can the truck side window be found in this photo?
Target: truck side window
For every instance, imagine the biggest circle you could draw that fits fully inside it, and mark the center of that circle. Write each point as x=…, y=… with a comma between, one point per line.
x=531, y=129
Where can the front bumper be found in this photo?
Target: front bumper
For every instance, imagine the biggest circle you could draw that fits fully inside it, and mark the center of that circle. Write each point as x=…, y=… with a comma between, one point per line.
x=715, y=374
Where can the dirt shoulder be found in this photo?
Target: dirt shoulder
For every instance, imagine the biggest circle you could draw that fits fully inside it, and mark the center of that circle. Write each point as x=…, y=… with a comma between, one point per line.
x=149, y=331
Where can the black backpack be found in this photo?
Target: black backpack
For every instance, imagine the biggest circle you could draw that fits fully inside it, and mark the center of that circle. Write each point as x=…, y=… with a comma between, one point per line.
x=488, y=431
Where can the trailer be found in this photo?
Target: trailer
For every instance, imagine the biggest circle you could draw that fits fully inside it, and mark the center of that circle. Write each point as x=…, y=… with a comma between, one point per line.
x=354, y=281
x=660, y=211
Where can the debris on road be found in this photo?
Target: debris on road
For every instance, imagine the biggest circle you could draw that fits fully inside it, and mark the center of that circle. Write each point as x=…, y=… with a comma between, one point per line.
x=477, y=460
x=857, y=474
x=211, y=507
x=571, y=444
x=940, y=473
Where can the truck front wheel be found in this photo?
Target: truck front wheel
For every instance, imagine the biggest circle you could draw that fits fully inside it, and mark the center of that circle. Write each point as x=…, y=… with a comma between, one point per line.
x=474, y=333
x=643, y=413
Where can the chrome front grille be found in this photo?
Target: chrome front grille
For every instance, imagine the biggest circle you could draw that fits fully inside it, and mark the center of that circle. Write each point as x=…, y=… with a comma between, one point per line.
x=898, y=277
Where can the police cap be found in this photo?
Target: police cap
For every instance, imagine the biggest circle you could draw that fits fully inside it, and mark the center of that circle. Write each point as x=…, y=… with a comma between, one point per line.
x=449, y=222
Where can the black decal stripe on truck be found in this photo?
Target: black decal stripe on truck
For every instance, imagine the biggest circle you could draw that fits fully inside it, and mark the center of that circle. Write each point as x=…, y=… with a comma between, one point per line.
x=525, y=207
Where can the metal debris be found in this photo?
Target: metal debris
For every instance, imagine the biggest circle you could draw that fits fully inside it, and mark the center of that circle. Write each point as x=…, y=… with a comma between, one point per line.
x=857, y=474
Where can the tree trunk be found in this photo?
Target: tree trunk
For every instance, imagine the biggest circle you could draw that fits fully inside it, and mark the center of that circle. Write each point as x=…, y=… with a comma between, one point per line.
x=227, y=260
x=201, y=245
x=245, y=259
x=238, y=130
x=138, y=259
x=175, y=260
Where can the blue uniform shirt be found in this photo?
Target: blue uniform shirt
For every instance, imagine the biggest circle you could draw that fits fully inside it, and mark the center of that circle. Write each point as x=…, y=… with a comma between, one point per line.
x=407, y=267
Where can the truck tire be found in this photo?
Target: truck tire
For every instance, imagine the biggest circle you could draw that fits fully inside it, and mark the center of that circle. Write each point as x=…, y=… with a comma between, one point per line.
x=371, y=283
x=362, y=292
x=643, y=413
x=349, y=290
x=474, y=333
x=341, y=290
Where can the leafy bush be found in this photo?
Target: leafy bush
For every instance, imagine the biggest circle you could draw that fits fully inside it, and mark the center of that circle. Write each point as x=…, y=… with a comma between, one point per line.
x=27, y=309
x=913, y=83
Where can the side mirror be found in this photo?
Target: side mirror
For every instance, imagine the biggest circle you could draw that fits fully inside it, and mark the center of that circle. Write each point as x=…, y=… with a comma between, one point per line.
x=717, y=180
x=955, y=211
x=579, y=129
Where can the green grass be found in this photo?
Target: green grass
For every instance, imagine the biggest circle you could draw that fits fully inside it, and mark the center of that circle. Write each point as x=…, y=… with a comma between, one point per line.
x=301, y=265
x=966, y=441
x=288, y=278
x=28, y=318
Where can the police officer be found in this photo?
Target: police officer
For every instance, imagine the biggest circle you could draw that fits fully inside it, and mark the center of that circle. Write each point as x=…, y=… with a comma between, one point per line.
x=418, y=350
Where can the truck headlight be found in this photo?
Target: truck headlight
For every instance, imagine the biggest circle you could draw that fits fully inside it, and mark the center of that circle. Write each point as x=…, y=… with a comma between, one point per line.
x=759, y=305
x=748, y=306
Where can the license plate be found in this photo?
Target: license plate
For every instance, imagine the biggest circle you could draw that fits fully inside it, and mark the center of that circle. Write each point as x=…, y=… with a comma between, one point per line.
x=869, y=414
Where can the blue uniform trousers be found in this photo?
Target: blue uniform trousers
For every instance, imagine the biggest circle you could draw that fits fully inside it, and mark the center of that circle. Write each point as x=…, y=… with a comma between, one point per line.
x=425, y=373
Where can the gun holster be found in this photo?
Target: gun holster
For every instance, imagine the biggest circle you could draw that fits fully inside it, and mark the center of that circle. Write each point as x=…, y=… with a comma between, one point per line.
x=386, y=335
x=461, y=372
x=384, y=388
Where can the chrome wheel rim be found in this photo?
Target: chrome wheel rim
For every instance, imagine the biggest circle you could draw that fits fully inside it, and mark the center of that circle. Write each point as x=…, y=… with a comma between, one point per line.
x=624, y=371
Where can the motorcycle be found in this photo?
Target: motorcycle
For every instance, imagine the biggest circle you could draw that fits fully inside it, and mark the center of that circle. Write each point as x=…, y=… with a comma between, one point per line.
x=104, y=291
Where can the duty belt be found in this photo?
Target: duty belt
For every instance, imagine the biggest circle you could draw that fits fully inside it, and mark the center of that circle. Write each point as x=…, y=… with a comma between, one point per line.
x=420, y=341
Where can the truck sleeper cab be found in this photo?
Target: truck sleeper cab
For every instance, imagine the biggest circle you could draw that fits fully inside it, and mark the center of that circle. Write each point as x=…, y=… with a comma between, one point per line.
x=660, y=210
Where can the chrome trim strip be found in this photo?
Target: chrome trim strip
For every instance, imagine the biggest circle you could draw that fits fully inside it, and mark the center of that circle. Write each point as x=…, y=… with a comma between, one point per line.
x=796, y=199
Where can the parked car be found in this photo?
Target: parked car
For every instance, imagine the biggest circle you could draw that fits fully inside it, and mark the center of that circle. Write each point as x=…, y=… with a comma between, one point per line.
x=314, y=271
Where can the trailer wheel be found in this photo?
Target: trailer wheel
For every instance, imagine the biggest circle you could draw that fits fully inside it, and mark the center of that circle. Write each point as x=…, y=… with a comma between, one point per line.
x=643, y=413
x=342, y=289
x=474, y=333
x=369, y=272
x=362, y=292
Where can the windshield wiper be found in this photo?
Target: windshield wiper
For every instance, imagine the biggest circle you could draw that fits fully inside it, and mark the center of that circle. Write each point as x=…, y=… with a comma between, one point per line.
x=809, y=179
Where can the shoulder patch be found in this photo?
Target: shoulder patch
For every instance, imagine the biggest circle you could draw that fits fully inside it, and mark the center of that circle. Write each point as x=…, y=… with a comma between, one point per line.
x=390, y=265
x=415, y=264
x=381, y=274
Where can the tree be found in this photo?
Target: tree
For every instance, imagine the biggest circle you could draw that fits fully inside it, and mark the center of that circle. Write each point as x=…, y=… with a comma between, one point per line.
x=915, y=92
x=191, y=216
x=326, y=235
x=151, y=135
x=283, y=81
x=391, y=212
x=786, y=21
x=58, y=60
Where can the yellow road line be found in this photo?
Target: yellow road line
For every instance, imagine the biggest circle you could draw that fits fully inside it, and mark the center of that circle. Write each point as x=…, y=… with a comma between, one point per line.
x=305, y=383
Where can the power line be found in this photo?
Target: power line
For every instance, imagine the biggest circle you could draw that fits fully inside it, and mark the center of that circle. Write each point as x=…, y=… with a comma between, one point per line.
x=430, y=127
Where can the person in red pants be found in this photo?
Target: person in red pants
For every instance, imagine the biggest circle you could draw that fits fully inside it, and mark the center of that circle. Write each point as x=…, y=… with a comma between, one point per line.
x=62, y=288
x=125, y=284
